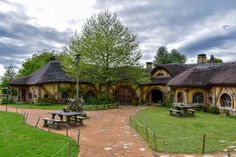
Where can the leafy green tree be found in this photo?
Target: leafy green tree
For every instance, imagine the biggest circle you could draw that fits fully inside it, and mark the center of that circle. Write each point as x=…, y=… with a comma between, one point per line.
x=8, y=76
x=164, y=57
x=218, y=60
x=177, y=57
x=104, y=45
x=37, y=60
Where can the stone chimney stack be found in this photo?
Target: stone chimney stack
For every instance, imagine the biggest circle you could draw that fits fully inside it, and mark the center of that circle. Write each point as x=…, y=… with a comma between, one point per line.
x=149, y=66
x=201, y=58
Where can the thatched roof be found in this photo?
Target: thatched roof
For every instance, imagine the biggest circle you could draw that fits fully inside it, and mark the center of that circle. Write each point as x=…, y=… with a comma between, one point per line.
x=50, y=73
x=205, y=75
x=173, y=69
x=158, y=81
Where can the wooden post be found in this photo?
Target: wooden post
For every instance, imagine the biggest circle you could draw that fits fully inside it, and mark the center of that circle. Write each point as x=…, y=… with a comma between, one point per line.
x=66, y=129
x=49, y=126
x=147, y=133
x=26, y=117
x=203, y=143
x=37, y=122
x=69, y=148
x=6, y=107
x=154, y=140
x=78, y=137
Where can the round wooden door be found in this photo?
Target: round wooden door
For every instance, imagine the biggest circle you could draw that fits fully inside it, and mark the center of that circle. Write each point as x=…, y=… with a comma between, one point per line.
x=124, y=96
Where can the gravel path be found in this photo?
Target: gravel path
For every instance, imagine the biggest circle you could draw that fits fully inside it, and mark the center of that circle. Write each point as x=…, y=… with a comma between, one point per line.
x=105, y=134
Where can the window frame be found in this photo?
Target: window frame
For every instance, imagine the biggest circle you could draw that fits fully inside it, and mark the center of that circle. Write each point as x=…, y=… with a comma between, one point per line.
x=198, y=98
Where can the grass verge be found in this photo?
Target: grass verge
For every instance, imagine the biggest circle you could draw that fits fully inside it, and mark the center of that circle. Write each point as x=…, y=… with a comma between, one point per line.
x=50, y=106
x=185, y=135
x=21, y=140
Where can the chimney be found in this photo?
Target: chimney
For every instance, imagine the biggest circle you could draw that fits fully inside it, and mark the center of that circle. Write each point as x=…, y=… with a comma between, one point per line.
x=201, y=58
x=212, y=59
x=149, y=66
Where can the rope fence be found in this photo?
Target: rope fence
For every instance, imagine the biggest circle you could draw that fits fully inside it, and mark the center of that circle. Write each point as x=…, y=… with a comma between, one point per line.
x=66, y=150
x=199, y=143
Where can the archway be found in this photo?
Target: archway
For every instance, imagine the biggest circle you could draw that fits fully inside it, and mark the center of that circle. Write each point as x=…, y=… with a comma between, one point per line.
x=64, y=95
x=157, y=96
x=23, y=95
x=225, y=100
x=124, y=95
x=180, y=97
x=89, y=94
x=198, y=98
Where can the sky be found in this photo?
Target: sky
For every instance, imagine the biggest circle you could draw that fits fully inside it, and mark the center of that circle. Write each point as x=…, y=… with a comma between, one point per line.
x=190, y=26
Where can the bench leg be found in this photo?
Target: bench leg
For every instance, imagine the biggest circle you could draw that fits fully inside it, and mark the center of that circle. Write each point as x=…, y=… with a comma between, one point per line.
x=58, y=126
x=45, y=123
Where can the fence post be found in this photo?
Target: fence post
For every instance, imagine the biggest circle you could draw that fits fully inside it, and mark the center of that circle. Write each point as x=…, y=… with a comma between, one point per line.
x=155, y=142
x=69, y=148
x=78, y=138
x=26, y=117
x=147, y=133
x=66, y=129
x=37, y=122
x=49, y=126
x=131, y=122
x=203, y=143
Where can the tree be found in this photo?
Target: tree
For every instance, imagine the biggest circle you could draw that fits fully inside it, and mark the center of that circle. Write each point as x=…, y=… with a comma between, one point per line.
x=164, y=57
x=177, y=57
x=218, y=60
x=37, y=60
x=104, y=45
x=8, y=76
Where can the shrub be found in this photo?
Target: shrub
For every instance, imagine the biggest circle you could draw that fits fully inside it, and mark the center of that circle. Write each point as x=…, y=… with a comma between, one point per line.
x=169, y=101
x=6, y=100
x=95, y=101
x=211, y=109
x=47, y=100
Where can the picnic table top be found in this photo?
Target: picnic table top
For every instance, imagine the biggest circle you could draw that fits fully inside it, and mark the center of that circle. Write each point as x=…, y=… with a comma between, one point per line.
x=61, y=112
x=182, y=106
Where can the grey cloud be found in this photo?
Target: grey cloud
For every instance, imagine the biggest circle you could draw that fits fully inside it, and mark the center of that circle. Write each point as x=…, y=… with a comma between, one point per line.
x=19, y=38
x=170, y=21
x=211, y=41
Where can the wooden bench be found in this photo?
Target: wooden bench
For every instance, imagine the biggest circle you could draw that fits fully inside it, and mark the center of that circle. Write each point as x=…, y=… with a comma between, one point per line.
x=53, y=123
x=174, y=112
x=79, y=120
x=191, y=111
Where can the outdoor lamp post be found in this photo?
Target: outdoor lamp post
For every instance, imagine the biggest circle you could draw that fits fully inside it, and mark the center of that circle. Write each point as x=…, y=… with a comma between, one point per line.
x=77, y=59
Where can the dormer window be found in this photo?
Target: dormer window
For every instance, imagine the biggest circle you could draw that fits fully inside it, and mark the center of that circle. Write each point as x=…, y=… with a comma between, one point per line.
x=160, y=75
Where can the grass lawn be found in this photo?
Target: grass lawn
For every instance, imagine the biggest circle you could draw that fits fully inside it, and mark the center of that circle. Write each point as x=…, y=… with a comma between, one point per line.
x=59, y=106
x=48, y=106
x=21, y=140
x=185, y=135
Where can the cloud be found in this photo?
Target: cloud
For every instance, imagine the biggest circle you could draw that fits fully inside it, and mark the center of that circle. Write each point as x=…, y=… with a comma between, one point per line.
x=20, y=37
x=190, y=26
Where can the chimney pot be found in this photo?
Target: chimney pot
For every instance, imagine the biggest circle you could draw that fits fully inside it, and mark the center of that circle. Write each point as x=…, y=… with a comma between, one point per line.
x=201, y=58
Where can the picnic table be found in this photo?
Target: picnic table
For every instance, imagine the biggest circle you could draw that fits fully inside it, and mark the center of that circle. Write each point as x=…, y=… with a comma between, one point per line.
x=72, y=118
x=182, y=110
